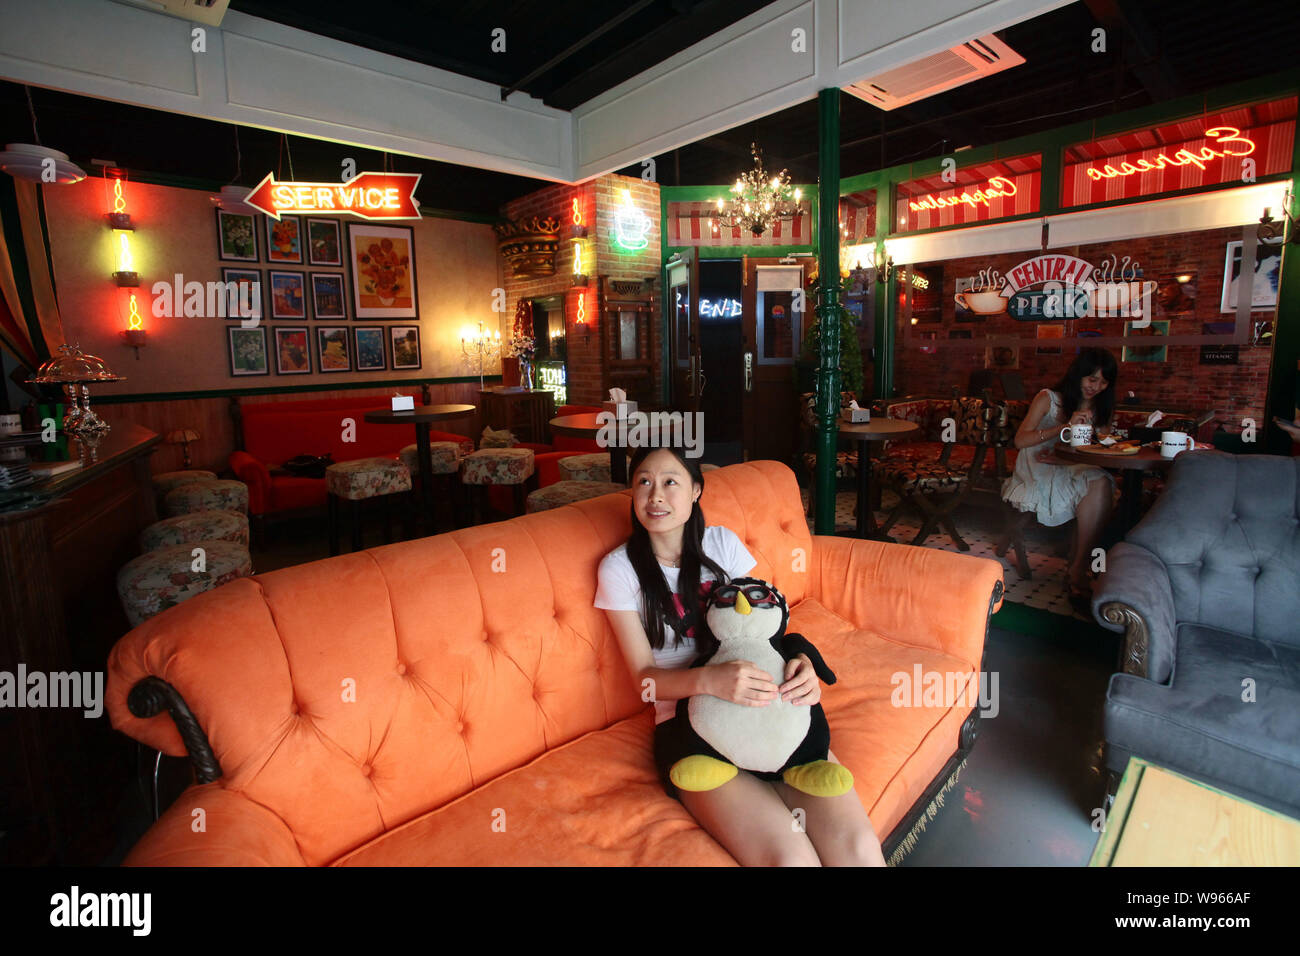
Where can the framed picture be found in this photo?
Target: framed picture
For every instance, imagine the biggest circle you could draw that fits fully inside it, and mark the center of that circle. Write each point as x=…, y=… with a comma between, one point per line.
x=324, y=246
x=1146, y=353
x=247, y=294
x=1176, y=294
x=292, y=351
x=327, y=299
x=284, y=239
x=332, y=349
x=1001, y=351
x=406, y=345
x=382, y=262
x=288, y=295
x=1268, y=265
x=248, y=351
x=1049, y=330
x=370, y=348
x=236, y=237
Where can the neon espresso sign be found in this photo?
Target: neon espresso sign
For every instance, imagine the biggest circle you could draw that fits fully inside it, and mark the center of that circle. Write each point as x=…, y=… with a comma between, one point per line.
x=1227, y=137
x=995, y=188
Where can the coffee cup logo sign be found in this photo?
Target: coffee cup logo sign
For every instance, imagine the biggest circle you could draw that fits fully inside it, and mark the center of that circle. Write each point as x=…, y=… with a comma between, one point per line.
x=1053, y=287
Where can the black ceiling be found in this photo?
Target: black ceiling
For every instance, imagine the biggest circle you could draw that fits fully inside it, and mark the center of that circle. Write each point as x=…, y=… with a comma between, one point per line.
x=1156, y=50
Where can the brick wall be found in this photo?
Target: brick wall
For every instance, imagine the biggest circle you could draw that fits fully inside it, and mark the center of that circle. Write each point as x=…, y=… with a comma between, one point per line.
x=598, y=200
x=1233, y=391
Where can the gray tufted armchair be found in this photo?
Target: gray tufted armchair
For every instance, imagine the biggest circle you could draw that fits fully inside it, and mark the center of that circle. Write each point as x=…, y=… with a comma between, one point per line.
x=1206, y=590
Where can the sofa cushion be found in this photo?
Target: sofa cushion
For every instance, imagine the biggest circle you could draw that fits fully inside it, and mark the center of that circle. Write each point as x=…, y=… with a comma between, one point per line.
x=1200, y=725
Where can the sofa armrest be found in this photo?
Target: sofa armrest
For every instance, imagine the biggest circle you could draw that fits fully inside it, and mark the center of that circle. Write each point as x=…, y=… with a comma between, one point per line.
x=1134, y=596
x=547, y=466
x=258, y=478
x=235, y=832
x=916, y=596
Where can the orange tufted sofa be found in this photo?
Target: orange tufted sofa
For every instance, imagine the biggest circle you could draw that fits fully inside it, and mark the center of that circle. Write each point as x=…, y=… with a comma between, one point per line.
x=492, y=719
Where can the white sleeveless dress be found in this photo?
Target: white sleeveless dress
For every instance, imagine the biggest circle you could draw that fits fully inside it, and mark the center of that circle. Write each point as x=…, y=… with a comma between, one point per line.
x=1052, y=492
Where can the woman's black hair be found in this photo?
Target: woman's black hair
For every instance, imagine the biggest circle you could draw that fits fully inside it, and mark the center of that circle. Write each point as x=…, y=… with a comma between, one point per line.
x=1088, y=362
x=658, y=600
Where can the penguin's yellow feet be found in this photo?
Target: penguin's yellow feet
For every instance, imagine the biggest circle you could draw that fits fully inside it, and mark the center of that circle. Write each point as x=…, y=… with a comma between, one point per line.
x=698, y=773
x=821, y=778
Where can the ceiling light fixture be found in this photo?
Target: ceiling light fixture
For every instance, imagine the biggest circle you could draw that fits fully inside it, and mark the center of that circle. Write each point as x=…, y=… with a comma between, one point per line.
x=37, y=163
x=758, y=199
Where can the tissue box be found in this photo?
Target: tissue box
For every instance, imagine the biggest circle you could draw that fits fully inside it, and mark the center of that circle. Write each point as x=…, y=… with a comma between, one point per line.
x=856, y=416
x=619, y=409
x=403, y=403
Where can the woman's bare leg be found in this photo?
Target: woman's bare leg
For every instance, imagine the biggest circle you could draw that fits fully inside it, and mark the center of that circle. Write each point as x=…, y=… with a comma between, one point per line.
x=1092, y=514
x=751, y=822
x=840, y=830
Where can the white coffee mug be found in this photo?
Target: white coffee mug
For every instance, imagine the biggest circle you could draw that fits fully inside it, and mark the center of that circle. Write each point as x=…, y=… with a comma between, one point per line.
x=1171, y=443
x=10, y=424
x=1077, y=435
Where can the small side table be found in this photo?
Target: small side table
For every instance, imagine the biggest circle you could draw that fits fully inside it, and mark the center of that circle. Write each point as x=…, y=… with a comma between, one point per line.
x=522, y=411
x=878, y=429
x=422, y=417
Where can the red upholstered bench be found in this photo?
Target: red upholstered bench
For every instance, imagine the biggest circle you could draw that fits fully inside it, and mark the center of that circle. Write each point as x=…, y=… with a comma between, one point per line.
x=270, y=433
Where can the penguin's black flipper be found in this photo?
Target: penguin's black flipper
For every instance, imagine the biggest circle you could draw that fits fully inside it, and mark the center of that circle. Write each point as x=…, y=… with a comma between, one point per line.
x=791, y=646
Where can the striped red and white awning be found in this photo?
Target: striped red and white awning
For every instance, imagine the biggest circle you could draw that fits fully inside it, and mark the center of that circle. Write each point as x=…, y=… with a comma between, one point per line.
x=690, y=224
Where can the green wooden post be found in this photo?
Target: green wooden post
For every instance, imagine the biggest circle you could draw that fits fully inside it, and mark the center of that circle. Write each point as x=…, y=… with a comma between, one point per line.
x=1283, y=391
x=828, y=305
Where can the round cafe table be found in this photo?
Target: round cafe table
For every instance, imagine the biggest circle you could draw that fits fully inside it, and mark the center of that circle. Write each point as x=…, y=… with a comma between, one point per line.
x=1131, y=467
x=586, y=425
x=422, y=417
x=878, y=429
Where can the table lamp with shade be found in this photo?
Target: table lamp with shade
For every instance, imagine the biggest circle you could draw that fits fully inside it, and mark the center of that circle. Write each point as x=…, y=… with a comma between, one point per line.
x=183, y=437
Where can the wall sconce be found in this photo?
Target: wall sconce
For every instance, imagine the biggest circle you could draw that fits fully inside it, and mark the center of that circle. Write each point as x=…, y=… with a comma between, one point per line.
x=579, y=264
x=582, y=317
x=1275, y=232
x=126, y=277
x=884, y=263
x=578, y=229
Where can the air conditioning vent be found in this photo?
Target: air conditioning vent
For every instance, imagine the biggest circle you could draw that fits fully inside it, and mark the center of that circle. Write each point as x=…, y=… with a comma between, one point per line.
x=979, y=57
x=207, y=12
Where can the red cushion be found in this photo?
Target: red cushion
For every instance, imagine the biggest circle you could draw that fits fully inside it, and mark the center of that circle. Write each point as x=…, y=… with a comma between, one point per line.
x=288, y=491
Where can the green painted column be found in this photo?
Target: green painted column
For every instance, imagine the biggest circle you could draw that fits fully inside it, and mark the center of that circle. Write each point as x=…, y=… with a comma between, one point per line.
x=1283, y=378
x=828, y=305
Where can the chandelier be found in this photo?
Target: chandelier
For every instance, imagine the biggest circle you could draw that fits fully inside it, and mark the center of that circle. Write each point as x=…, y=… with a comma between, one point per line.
x=758, y=199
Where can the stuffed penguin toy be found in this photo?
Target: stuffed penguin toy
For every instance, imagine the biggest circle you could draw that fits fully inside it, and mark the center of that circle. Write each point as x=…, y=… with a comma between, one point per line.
x=778, y=741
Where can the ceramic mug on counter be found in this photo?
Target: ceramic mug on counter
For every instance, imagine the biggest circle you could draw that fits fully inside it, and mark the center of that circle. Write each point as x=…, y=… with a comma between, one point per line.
x=1077, y=435
x=11, y=424
x=1171, y=443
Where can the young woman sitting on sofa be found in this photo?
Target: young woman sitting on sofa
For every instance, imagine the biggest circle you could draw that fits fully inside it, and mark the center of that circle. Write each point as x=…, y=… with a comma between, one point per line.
x=671, y=554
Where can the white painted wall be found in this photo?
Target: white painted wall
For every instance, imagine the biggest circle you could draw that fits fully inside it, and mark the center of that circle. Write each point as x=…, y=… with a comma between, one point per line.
x=263, y=74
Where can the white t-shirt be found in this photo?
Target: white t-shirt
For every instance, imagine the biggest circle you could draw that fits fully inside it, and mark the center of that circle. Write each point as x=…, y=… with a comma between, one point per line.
x=619, y=590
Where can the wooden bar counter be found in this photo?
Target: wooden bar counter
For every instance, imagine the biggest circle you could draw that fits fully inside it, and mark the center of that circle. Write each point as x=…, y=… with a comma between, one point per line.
x=58, y=604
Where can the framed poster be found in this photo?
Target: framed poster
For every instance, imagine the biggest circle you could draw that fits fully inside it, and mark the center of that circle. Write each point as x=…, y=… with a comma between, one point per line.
x=406, y=345
x=370, y=348
x=1001, y=351
x=1146, y=353
x=236, y=237
x=247, y=294
x=247, y=351
x=327, y=299
x=288, y=295
x=284, y=239
x=292, y=351
x=324, y=246
x=382, y=262
x=333, y=353
x=1268, y=266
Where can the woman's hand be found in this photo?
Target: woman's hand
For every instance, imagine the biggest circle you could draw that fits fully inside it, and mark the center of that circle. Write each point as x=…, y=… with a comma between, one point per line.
x=801, y=687
x=1081, y=417
x=739, y=682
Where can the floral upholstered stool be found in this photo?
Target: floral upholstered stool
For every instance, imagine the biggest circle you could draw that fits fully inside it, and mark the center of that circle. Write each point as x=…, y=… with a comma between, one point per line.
x=444, y=457
x=566, y=492
x=206, y=495
x=355, y=481
x=195, y=528
x=161, y=579
x=167, y=480
x=593, y=466
x=934, y=488
x=497, y=466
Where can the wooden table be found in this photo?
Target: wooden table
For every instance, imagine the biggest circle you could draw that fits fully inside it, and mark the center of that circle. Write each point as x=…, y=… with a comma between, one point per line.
x=422, y=417
x=588, y=425
x=1163, y=818
x=519, y=410
x=878, y=429
x=1133, y=468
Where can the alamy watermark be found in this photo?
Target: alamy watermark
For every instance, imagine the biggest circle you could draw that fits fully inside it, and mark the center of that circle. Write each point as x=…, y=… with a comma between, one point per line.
x=922, y=688
x=83, y=691
x=652, y=430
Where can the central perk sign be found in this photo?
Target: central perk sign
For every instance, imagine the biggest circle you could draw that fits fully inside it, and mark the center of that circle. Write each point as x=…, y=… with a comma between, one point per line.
x=366, y=195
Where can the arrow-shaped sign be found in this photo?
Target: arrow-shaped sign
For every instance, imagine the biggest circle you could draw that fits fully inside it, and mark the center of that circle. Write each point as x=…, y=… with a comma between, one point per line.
x=366, y=195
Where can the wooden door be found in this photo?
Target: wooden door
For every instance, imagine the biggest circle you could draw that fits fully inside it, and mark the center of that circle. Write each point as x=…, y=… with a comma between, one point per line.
x=682, y=282
x=774, y=312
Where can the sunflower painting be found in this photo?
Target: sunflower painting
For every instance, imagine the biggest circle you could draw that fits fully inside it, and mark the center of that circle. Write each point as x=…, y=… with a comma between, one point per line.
x=383, y=271
x=283, y=239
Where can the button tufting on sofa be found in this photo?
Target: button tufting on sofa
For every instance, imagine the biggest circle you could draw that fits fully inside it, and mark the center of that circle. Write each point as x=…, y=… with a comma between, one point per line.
x=401, y=668
x=365, y=770
x=460, y=727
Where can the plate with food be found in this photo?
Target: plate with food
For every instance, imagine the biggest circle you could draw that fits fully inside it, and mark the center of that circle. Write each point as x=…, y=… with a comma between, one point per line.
x=1113, y=448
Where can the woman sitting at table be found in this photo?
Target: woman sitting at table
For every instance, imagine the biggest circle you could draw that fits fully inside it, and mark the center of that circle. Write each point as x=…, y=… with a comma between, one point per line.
x=1058, y=492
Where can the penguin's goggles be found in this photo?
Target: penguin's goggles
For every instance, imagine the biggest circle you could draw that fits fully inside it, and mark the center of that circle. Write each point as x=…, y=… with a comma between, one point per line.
x=756, y=594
